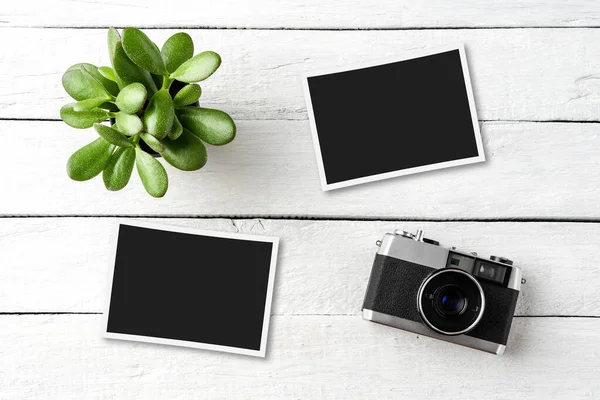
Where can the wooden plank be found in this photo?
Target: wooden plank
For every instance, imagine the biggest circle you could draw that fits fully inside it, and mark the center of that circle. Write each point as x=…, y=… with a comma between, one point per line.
x=518, y=74
x=307, y=14
x=308, y=357
x=533, y=171
x=61, y=264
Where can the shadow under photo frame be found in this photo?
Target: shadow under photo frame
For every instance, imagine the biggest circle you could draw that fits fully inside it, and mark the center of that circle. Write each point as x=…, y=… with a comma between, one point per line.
x=393, y=117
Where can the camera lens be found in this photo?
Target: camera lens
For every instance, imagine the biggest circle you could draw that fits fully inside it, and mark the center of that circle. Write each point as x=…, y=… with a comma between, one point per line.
x=451, y=301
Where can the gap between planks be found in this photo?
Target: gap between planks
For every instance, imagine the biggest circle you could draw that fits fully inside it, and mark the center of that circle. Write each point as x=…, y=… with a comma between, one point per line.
x=27, y=313
x=315, y=29
x=314, y=218
x=481, y=121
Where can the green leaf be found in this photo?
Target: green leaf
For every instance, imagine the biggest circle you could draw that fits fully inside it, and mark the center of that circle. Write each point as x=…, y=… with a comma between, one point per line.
x=82, y=119
x=127, y=72
x=187, y=153
x=117, y=172
x=176, y=129
x=189, y=94
x=88, y=104
x=132, y=98
x=109, y=86
x=90, y=160
x=153, y=174
x=159, y=115
x=80, y=85
x=197, y=68
x=112, y=136
x=113, y=39
x=158, y=80
x=129, y=124
x=108, y=73
x=142, y=51
x=213, y=126
x=153, y=142
x=176, y=50
x=109, y=107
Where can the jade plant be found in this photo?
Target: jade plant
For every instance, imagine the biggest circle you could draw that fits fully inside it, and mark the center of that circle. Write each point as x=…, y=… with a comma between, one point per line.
x=143, y=106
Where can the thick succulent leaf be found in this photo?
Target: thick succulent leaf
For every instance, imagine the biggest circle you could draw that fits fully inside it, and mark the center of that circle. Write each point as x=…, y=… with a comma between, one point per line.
x=80, y=85
x=213, y=126
x=113, y=39
x=142, y=51
x=129, y=124
x=158, y=80
x=117, y=172
x=128, y=72
x=153, y=174
x=90, y=160
x=132, y=98
x=189, y=94
x=110, y=86
x=198, y=68
x=112, y=136
x=159, y=115
x=108, y=73
x=152, y=142
x=187, y=153
x=176, y=129
x=82, y=119
x=88, y=104
x=109, y=106
x=176, y=50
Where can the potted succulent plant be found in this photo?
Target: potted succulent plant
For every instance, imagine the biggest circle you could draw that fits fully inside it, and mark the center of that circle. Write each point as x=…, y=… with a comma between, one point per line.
x=150, y=96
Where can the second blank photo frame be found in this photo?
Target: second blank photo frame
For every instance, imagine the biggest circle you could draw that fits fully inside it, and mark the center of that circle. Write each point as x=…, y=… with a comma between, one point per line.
x=190, y=287
x=394, y=117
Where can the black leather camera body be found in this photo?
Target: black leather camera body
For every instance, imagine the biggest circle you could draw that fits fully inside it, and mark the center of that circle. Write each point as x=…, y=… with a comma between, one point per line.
x=419, y=286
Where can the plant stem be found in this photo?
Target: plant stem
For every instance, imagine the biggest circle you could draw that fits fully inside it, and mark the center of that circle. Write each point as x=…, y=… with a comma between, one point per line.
x=167, y=82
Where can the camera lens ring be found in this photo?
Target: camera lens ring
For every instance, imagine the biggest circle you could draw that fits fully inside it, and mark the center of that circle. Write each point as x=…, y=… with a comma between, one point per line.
x=420, y=300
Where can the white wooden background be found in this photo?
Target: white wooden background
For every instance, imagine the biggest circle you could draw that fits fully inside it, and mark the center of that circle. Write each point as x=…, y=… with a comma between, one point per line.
x=536, y=76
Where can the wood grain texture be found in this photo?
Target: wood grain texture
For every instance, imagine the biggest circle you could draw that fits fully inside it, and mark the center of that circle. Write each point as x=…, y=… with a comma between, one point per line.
x=308, y=357
x=319, y=347
x=517, y=74
x=533, y=171
x=307, y=14
x=52, y=264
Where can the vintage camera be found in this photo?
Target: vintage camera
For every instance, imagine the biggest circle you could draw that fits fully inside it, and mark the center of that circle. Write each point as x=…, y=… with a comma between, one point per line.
x=421, y=287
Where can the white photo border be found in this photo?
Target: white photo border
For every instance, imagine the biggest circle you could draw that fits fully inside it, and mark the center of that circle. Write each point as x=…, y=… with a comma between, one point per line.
x=201, y=232
x=408, y=171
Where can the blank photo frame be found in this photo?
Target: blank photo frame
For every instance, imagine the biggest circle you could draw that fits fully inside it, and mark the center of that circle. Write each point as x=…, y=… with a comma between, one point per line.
x=190, y=287
x=393, y=117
